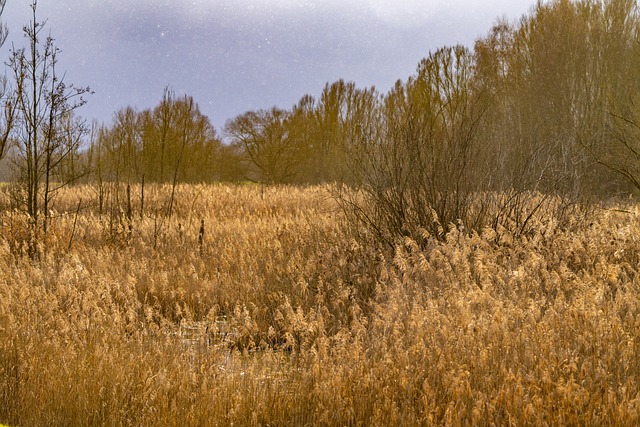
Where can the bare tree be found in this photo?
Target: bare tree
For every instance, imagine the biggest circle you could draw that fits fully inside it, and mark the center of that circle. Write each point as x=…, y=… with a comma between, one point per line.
x=622, y=155
x=8, y=105
x=417, y=164
x=72, y=132
x=342, y=112
x=615, y=144
x=265, y=139
x=42, y=100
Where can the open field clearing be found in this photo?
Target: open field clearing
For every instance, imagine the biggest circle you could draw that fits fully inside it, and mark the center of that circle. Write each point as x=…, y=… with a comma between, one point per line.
x=262, y=306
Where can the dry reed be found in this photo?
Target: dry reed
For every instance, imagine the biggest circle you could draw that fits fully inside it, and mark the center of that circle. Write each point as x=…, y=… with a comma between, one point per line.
x=277, y=314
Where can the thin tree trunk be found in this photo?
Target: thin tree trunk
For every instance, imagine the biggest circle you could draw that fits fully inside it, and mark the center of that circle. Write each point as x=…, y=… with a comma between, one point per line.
x=142, y=198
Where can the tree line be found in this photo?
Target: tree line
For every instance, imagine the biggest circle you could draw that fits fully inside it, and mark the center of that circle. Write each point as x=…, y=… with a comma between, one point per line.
x=548, y=103
x=172, y=142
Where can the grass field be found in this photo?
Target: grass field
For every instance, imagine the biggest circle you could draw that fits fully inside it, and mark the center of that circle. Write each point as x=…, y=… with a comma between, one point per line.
x=254, y=306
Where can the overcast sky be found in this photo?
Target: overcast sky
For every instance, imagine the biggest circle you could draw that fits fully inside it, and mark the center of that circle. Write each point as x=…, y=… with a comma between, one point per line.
x=235, y=56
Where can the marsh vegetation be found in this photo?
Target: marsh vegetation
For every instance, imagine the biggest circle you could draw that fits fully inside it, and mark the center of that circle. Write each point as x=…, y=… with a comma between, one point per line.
x=283, y=314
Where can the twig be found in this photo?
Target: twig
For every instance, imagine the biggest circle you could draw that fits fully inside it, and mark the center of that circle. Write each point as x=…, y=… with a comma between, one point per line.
x=75, y=221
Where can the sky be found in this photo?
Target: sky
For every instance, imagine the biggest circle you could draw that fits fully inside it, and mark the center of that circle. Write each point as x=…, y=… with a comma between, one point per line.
x=236, y=56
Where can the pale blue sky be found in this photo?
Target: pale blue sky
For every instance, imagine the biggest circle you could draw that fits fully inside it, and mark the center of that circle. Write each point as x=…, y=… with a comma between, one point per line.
x=233, y=56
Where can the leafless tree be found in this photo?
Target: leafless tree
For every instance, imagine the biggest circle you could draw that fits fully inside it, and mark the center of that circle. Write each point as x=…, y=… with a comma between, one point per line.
x=8, y=103
x=42, y=101
x=417, y=164
x=265, y=139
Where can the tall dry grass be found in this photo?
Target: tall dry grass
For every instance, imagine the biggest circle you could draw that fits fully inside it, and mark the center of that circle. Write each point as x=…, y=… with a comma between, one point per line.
x=285, y=315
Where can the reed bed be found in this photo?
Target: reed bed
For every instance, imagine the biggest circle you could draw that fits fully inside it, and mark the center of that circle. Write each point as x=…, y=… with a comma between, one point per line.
x=263, y=306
